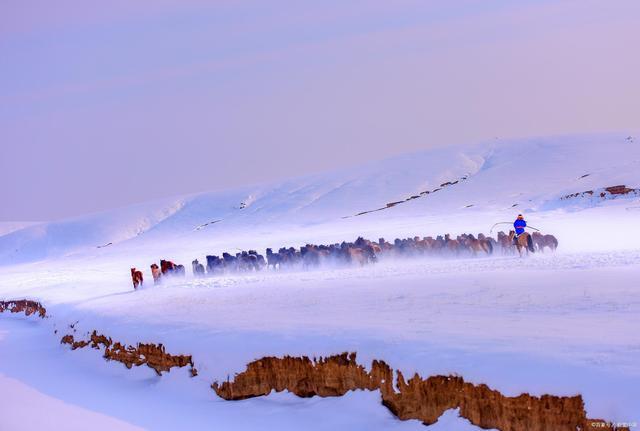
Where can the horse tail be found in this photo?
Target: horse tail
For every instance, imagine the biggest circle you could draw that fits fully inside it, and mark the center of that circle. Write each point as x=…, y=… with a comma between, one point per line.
x=530, y=244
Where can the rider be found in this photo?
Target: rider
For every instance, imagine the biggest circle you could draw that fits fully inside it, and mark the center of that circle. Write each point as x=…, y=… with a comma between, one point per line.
x=519, y=225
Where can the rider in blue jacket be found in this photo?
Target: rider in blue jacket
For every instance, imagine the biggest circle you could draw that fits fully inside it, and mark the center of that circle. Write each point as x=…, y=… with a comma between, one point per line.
x=519, y=225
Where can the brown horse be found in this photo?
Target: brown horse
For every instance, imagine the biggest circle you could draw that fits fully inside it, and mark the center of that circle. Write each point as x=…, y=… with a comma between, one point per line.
x=541, y=241
x=167, y=266
x=476, y=245
x=452, y=245
x=384, y=245
x=523, y=241
x=505, y=243
x=357, y=255
x=156, y=273
x=136, y=277
x=487, y=243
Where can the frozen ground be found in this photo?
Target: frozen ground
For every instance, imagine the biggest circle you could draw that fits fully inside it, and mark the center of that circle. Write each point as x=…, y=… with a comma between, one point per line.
x=561, y=323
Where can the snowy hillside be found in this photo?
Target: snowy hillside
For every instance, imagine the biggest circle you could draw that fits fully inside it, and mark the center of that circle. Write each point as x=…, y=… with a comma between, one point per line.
x=474, y=185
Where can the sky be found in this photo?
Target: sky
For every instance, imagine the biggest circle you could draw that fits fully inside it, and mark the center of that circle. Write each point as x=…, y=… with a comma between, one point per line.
x=104, y=104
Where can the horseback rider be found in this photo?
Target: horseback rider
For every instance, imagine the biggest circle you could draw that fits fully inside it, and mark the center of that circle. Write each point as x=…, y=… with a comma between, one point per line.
x=519, y=226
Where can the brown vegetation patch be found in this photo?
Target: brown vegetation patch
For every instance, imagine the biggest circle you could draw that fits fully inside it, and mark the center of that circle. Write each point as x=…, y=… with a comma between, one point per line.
x=23, y=305
x=417, y=398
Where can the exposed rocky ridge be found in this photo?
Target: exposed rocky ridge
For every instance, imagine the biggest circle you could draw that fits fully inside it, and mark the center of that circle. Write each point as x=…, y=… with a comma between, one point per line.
x=416, y=196
x=605, y=192
x=153, y=355
x=23, y=305
x=418, y=398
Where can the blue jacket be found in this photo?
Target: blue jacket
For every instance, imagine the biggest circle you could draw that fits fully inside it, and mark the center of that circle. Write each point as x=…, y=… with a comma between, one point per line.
x=519, y=225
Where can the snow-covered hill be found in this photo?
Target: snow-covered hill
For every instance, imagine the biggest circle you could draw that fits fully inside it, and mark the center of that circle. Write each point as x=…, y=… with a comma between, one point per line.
x=467, y=187
x=7, y=227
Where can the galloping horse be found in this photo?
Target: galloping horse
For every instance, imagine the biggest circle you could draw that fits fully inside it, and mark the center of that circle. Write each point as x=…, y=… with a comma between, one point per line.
x=136, y=277
x=476, y=245
x=541, y=241
x=524, y=241
x=156, y=273
x=505, y=243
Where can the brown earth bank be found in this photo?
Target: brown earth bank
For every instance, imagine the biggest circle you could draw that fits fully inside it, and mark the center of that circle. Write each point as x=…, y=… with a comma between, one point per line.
x=416, y=398
x=153, y=355
x=25, y=306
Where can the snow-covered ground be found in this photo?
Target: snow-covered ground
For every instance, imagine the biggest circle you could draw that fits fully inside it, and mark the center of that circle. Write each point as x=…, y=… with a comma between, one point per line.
x=24, y=402
x=562, y=323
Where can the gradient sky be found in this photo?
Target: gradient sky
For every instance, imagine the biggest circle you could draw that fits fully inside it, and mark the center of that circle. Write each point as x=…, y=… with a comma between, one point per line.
x=103, y=104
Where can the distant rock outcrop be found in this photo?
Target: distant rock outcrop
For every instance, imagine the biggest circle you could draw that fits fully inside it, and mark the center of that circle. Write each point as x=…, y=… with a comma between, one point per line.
x=604, y=193
x=421, y=194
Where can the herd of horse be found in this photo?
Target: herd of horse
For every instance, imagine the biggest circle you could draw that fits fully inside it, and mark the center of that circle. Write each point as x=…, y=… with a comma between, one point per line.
x=359, y=253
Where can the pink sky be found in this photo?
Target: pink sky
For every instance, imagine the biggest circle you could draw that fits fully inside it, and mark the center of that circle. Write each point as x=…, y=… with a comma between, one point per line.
x=109, y=103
